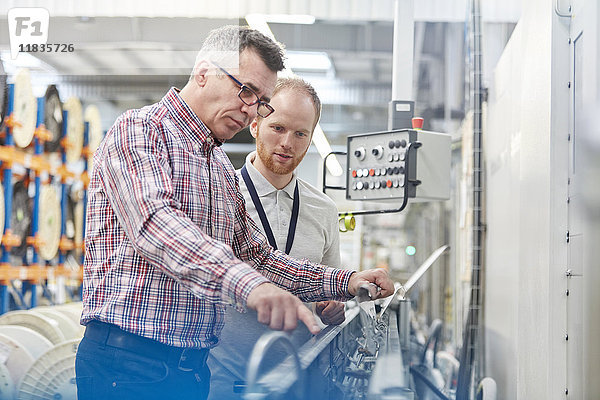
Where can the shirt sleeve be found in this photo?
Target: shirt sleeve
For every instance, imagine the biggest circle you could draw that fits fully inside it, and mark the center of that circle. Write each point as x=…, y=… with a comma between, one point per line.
x=308, y=281
x=331, y=255
x=137, y=181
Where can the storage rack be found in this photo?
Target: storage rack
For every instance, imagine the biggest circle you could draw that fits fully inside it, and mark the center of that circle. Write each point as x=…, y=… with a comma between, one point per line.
x=33, y=274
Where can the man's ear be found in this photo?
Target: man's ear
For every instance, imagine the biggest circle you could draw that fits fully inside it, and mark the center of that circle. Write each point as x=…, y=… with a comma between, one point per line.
x=254, y=127
x=201, y=71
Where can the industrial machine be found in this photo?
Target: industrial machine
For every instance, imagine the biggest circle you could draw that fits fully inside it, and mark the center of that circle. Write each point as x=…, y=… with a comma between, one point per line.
x=369, y=356
x=389, y=165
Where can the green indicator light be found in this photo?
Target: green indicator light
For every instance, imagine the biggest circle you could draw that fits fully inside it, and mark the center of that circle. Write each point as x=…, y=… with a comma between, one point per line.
x=410, y=250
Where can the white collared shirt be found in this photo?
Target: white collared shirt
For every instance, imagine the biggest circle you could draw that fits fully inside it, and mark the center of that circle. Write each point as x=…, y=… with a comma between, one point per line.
x=317, y=232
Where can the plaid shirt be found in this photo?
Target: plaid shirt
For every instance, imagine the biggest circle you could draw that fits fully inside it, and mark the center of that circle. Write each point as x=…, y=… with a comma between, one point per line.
x=169, y=243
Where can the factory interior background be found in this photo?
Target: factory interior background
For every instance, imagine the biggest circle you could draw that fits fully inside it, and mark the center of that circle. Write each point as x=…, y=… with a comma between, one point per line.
x=532, y=139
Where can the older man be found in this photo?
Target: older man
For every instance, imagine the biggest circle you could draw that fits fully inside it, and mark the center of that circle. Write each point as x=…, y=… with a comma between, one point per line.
x=168, y=241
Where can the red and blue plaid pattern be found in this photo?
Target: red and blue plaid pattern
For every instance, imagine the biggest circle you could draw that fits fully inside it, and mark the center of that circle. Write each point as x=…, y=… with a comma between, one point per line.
x=169, y=243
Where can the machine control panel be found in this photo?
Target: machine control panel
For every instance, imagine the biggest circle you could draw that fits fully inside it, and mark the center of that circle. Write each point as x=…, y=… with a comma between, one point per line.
x=386, y=165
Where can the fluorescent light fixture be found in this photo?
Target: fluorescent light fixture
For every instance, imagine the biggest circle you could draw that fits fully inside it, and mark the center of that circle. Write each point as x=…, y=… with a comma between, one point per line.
x=258, y=22
x=24, y=60
x=302, y=19
x=308, y=61
x=323, y=147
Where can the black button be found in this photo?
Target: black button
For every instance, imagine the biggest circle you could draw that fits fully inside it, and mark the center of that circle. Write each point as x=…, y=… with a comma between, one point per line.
x=396, y=170
x=401, y=170
x=397, y=143
x=391, y=144
x=403, y=143
x=390, y=170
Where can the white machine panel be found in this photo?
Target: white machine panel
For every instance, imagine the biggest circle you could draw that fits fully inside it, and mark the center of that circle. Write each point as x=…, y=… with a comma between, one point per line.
x=382, y=165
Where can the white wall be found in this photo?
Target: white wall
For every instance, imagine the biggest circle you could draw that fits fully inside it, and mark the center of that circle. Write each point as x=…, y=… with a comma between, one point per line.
x=529, y=162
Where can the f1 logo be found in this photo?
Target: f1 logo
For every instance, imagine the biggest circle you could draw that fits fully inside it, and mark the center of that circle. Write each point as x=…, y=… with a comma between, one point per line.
x=27, y=25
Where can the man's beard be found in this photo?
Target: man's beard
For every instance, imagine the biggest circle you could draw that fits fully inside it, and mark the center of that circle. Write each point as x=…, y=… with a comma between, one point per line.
x=267, y=160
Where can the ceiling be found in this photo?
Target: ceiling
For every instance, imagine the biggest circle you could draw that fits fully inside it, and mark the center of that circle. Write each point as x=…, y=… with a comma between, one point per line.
x=124, y=60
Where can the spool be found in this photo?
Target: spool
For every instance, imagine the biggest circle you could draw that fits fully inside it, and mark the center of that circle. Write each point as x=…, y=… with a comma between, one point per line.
x=7, y=386
x=20, y=217
x=74, y=129
x=49, y=221
x=52, y=376
x=24, y=109
x=35, y=321
x=53, y=118
x=18, y=358
x=67, y=326
x=36, y=343
x=347, y=223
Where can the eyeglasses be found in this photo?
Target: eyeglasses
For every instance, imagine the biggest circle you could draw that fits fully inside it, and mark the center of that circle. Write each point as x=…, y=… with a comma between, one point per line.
x=250, y=98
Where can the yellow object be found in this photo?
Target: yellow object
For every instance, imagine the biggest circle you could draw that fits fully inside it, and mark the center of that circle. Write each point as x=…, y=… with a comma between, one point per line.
x=347, y=223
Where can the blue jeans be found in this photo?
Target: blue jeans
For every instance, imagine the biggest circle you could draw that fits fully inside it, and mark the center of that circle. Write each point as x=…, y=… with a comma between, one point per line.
x=107, y=368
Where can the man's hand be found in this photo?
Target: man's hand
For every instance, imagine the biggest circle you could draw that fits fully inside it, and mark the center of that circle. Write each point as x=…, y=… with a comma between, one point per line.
x=330, y=312
x=280, y=310
x=378, y=276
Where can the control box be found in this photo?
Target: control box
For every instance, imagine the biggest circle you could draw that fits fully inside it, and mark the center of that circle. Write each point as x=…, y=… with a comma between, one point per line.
x=392, y=164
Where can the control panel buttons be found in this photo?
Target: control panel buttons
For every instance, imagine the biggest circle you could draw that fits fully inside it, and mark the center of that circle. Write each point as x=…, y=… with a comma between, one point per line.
x=360, y=153
x=402, y=143
x=388, y=183
x=359, y=185
x=371, y=172
x=354, y=173
x=377, y=185
x=402, y=156
x=377, y=151
x=392, y=144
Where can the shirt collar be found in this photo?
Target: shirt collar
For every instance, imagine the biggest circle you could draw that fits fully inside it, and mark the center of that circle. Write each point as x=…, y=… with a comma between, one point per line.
x=186, y=119
x=262, y=185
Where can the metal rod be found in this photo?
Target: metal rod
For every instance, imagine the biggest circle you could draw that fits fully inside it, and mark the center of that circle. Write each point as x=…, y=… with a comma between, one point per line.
x=325, y=186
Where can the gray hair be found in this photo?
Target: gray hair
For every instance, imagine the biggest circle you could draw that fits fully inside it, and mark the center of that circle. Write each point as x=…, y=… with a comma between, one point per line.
x=224, y=45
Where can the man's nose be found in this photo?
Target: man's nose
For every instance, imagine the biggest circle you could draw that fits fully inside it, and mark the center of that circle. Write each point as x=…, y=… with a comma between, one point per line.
x=287, y=140
x=251, y=111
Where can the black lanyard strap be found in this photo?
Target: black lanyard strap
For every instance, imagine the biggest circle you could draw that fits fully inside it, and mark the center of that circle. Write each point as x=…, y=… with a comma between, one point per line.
x=263, y=216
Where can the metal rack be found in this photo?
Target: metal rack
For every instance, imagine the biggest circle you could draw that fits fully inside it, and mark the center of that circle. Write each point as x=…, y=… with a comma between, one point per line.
x=32, y=273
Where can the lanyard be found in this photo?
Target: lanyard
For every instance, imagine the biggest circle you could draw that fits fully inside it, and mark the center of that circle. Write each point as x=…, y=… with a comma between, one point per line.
x=263, y=216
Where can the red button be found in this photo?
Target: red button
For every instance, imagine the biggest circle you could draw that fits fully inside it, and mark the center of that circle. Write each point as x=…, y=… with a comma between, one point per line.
x=389, y=183
x=371, y=172
x=354, y=173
